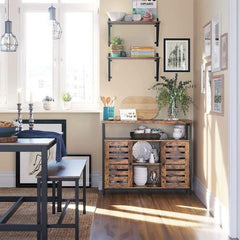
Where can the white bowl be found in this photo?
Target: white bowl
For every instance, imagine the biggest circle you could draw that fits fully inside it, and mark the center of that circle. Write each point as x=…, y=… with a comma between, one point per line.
x=140, y=182
x=116, y=16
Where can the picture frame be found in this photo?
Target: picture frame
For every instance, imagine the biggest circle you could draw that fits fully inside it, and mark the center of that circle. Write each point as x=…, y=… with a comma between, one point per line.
x=128, y=114
x=88, y=170
x=216, y=38
x=224, y=51
x=176, y=54
x=218, y=94
x=203, y=80
x=208, y=80
x=207, y=40
x=28, y=164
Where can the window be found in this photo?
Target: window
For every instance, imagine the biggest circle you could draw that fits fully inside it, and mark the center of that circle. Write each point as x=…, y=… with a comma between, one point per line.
x=51, y=67
x=3, y=61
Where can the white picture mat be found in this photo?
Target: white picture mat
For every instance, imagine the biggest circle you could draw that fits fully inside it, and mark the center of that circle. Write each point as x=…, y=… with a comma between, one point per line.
x=179, y=61
x=216, y=36
x=128, y=114
x=207, y=40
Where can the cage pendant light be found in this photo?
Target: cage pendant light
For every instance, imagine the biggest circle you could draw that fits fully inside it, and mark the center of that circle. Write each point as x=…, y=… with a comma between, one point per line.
x=56, y=28
x=8, y=42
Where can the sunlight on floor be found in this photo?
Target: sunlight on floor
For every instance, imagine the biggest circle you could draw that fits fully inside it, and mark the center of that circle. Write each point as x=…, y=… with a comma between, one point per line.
x=167, y=214
x=165, y=217
x=194, y=208
x=88, y=208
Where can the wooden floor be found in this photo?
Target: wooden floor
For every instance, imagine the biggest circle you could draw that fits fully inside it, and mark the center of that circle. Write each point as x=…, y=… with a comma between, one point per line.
x=153, y=216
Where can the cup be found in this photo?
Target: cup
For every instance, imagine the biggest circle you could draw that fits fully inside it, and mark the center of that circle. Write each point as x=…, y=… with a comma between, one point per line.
x=108, y=112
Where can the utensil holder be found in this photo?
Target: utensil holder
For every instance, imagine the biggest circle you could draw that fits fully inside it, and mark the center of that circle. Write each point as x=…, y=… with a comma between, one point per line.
x=108, y=112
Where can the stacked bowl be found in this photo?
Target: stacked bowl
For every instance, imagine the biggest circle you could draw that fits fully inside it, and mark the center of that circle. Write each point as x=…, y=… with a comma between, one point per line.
x=140, y=175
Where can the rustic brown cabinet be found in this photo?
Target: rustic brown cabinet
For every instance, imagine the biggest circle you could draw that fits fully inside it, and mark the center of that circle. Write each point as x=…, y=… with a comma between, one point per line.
x=174, y=168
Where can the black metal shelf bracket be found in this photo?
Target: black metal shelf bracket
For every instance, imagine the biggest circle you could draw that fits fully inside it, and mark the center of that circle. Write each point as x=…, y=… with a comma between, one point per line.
x=157, y=67
x=109, y=32
x=157, y=33
x=109, y=67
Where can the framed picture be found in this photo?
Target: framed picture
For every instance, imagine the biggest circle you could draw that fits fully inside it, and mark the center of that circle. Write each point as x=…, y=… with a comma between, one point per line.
x=218, y=94
x=203, y=81
x=224, y=51
x=28, y=164
x=145, y=8
x=128, y=114
x=88, y=170
x=207, y=40
x=176, y=55
x=216, y=33
x=208, y=79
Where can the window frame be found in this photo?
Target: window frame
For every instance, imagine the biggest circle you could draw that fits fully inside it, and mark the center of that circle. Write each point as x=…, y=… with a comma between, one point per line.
x=58, y=52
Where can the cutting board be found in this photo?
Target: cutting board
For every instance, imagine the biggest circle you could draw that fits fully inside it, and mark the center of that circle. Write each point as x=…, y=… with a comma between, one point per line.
x=146, y=107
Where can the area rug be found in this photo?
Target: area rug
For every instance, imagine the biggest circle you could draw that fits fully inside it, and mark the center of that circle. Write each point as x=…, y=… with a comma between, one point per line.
x=27, y=214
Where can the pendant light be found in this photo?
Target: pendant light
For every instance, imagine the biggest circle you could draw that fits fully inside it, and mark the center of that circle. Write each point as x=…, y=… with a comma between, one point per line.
x=8, y=42
x=56, y=28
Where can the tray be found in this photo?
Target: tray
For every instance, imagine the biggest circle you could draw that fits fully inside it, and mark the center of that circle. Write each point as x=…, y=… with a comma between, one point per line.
x=141, y=136
x=8, y=139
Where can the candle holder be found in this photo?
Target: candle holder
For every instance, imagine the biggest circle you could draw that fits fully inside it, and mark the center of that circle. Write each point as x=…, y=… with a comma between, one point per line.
x=19, y=118
x=31, y=120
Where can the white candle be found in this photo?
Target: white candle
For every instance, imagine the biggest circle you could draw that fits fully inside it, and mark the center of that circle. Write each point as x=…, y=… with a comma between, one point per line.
x=31, y=98
x=19, y=96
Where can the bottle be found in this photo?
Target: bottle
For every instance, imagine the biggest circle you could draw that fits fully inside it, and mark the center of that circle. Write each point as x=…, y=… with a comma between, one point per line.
x=151, y=160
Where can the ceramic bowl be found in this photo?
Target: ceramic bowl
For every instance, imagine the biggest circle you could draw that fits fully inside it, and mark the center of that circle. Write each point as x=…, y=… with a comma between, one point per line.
x=116, y=16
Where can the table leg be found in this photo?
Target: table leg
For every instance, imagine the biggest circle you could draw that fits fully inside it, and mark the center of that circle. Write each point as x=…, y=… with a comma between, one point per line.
x=44, y=217
x=84, y=190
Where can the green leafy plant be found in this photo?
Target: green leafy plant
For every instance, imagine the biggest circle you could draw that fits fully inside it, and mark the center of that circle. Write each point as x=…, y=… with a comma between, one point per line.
x=174, y=94
x=66, y=97
x=116, y=41
x=48, y=99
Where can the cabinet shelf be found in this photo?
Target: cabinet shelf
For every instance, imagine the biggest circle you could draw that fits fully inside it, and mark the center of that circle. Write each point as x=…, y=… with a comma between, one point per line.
x=156, y=59
x=145, y=164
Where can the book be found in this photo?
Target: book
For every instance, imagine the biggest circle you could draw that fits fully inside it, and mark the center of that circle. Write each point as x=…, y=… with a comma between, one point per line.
x=147, y=9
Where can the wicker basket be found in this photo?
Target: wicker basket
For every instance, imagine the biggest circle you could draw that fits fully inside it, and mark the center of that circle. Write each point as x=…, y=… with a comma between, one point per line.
x=146, y=136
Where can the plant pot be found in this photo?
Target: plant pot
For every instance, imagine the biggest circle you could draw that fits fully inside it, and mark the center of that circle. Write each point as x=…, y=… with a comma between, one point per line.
x=67, y=105
x=115, y=50
x=47, y=105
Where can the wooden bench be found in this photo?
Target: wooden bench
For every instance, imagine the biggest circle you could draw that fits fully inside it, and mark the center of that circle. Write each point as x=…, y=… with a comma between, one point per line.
x=66, y=170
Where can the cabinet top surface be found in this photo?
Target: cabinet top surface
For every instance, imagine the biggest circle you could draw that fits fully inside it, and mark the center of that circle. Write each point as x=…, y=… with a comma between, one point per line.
x=154, y=121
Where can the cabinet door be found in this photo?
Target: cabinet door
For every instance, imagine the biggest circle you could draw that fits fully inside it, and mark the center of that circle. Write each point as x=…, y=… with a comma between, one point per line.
x=175, y=164
x=117, y=164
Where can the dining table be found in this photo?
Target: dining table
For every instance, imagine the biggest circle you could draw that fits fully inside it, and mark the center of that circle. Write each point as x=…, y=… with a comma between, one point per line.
x=41, y=145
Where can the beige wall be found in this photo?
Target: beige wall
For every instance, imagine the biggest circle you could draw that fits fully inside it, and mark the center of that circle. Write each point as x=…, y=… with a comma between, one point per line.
x=130, y=78
x=211, y=133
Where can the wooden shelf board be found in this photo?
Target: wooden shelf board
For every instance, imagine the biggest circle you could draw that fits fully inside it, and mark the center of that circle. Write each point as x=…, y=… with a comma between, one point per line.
x=134, y=22
x=145, y=164
x=133, y=58
x=153, y=121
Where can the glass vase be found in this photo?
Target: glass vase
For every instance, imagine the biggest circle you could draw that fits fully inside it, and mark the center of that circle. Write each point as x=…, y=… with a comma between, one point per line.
x=172, y=111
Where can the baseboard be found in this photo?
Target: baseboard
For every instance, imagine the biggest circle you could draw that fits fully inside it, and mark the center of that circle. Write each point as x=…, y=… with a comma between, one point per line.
x=214, y=206
x=7, y=179
x=96, y=179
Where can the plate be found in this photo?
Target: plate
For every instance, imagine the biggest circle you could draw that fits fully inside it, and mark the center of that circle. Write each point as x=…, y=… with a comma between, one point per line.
x=142, y=150
x=7, y=131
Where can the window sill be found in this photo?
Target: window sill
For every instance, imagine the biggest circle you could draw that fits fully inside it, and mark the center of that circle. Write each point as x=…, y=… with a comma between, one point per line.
x=52, y=111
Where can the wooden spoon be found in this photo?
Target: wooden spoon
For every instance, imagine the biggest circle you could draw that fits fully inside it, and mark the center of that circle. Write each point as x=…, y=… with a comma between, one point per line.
x=108, y=99
x=103, y=100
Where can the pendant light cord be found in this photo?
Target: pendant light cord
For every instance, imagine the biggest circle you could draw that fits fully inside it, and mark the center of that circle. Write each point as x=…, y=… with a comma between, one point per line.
x=8, y=9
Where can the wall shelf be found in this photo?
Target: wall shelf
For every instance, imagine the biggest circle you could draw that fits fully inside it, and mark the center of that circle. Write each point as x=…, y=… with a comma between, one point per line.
x=156, y=59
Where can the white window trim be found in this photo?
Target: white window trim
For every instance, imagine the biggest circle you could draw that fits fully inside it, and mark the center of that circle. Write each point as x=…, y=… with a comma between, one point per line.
x=24, y=7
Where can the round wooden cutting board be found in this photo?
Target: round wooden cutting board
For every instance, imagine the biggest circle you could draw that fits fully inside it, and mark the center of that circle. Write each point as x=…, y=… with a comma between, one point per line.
x=146, y=107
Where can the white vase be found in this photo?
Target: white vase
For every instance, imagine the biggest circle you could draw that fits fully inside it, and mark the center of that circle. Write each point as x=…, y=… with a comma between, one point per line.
x=67, y=105
x=47, y=105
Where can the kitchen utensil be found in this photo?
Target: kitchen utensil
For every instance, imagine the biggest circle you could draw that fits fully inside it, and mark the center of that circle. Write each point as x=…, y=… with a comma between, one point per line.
x=146, y=107
x=108, y=99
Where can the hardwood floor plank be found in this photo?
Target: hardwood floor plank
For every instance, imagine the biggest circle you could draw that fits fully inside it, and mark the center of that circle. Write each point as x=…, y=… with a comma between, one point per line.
x=153, y=216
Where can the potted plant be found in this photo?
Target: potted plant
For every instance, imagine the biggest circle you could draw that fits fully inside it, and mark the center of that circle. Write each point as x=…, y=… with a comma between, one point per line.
x=174, y=94
x=47, y=103
x=116, y=47
x=67, y=98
